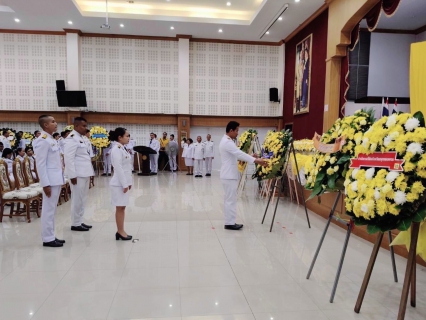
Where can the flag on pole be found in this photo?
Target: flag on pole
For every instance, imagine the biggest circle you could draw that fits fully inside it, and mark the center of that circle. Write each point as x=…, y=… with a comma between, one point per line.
x=385, y=111
x=395, y=106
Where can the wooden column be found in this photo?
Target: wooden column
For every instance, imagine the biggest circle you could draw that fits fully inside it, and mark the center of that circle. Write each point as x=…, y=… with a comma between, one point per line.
x=332, y=91
x=184, y=130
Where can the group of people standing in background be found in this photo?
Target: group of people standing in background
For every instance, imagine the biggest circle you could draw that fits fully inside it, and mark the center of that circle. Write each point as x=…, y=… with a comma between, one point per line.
x=195, y=153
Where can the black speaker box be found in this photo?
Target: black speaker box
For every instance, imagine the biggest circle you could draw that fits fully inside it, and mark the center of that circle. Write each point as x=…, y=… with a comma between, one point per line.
x=273, y=95
x=60, y=85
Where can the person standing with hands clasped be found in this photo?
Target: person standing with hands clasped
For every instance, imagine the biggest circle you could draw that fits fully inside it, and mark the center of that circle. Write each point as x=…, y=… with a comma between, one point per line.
x=49, y=167
x=229, y=174
x=209, y=154
x=198, y=157
x=121, y=181
x=79, y=169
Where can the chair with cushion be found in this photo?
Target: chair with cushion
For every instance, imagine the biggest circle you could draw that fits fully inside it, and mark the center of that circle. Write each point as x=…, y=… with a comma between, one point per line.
x=26, y=196
x=65, y=188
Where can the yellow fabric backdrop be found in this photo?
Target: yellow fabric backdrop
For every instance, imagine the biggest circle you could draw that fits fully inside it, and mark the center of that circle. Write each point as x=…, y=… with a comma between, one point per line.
x=418, y=77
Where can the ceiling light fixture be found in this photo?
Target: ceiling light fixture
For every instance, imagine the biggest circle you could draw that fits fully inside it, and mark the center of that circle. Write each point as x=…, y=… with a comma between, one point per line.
x=275, y=19
x=17, y=20
x=280, y=18
x=172, y=28
x=106, y=25
x=228, y=4
x=70, y=22
x=296, y=0
x=220, y=30
x=122, y=25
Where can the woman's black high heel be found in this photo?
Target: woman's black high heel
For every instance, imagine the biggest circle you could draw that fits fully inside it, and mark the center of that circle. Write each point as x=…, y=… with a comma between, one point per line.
x=119, y=236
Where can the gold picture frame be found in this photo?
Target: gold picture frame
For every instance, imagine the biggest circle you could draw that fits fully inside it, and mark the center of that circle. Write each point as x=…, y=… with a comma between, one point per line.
x=302, y=76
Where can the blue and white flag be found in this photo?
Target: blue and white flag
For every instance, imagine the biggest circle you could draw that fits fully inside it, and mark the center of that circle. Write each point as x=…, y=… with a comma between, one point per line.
x=395, y=106
x=385, y=111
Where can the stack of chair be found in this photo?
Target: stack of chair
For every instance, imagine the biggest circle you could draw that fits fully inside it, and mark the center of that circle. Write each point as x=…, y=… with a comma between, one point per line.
x=25, y=194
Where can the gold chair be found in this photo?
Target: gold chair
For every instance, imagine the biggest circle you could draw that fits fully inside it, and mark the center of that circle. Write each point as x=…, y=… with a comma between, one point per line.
x=26, y=196
x=65, y=188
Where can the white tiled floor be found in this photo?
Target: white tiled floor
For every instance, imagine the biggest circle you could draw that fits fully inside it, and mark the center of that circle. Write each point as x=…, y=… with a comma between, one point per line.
x=186, y=266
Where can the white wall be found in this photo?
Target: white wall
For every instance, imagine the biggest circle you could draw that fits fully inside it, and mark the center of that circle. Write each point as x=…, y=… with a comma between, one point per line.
x=27, y=126
x=217, y=134
x=389, y=65
x=351, y=107
x=421, y=37
x=29, y=67
x=234, y=79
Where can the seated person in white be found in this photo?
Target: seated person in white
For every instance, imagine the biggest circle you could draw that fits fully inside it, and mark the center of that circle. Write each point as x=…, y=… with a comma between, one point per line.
x=21, y=154
x=32, y=157
x=7, y=157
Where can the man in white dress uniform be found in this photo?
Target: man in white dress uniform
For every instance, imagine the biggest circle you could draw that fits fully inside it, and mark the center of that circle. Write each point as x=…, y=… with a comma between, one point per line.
x=79, y=169
x=49, y=167
x=154, y=144
x=208, y=154
x=198, y=157
x=229, y=174
x=5, y=139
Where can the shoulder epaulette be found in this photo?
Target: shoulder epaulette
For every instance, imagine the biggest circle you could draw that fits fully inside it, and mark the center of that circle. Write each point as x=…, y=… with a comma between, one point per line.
x=44, y=136
x=72, y=135
x=118, y=146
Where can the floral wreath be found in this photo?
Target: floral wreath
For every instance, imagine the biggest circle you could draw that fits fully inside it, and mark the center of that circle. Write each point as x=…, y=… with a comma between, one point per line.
x=381, y=198
x=99, y=137
x=70, y=127
x=274, y=150
x=244, y=143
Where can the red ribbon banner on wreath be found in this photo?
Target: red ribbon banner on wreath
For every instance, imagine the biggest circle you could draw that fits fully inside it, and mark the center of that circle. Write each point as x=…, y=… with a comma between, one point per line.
x=378, y=160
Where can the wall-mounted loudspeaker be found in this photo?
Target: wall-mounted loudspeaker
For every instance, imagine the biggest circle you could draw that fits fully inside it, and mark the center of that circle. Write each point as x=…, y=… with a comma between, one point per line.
x=273, y=95
x=60, y=85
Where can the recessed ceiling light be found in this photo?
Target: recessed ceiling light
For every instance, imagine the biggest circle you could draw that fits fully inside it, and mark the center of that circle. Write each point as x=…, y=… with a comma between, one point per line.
x=220, y=30
x=130, y=1
x=267, y=32
x=296, y=0
x=280, y=18
x=17, y=20
x=70, y=22
x=172, y=28
x=228, y=4
x=122, y=25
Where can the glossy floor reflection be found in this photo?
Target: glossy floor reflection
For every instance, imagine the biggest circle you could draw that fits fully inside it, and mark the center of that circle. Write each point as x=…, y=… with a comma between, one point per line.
x=186, y=266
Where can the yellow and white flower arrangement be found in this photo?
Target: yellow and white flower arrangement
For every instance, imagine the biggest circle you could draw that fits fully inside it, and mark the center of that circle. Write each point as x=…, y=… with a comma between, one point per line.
x=99, y=137
x=274, y=149
x=70, y=127
x=11, y=138
x=381, y=198
x=327, y=171
x=304, y=146
x=28, y=136
x=244, y=143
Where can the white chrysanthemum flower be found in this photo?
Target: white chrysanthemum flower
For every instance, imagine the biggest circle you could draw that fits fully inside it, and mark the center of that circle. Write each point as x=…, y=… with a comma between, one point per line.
x=333, y=160
x=363, y=122
x=369, y=174
x=412, y=124
x=400, y=197
x=354, y=186
x=387, y=141
x=364, y=208
x=373, y=147
x=327, y=158
x=365, y=142
x=376, y=194
x=391, y=176
x=415, y=148
x=391, y=121
x=354, y=173
x=346, y=183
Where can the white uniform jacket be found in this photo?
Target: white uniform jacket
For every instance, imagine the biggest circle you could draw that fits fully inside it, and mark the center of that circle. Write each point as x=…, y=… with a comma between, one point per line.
x=22, y=159
x=49, y=164
x=77, y=157
x=130, y=146
x=89, y=145
x=198, y=151
x=229, y=154
x=155, y=145
x=122, y=163
x=6, y=142
x=185, y=150
x=208, y=149
x=190, y=151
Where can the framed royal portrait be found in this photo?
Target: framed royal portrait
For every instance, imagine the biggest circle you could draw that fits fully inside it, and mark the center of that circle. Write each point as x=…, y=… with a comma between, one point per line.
x=302, y=76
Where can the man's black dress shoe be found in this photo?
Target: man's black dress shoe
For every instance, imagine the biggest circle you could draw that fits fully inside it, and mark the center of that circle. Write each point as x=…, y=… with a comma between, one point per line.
x=119, y=236
x=79, y=228
x=86, y=226
x=234, y=227
x=153, y=173
x=103, y=174
x=53, y=244
x=208, y=175
x=60, y=241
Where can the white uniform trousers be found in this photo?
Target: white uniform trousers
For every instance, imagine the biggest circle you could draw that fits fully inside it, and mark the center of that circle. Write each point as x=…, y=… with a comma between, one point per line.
x=107, y=163
x=198, y=167
x=78, y=200
x=172, y=163
x=153, y=162
x=209, y=161
x=48, y=211
x=230, y=201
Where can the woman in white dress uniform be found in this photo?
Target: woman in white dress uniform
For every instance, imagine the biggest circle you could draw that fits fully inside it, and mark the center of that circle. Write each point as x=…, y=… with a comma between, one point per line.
x=122, y=179
x=7, y=157
x=189, y=154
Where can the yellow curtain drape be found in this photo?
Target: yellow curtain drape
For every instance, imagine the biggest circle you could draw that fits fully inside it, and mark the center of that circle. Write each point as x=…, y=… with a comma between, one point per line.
x=418, y=77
